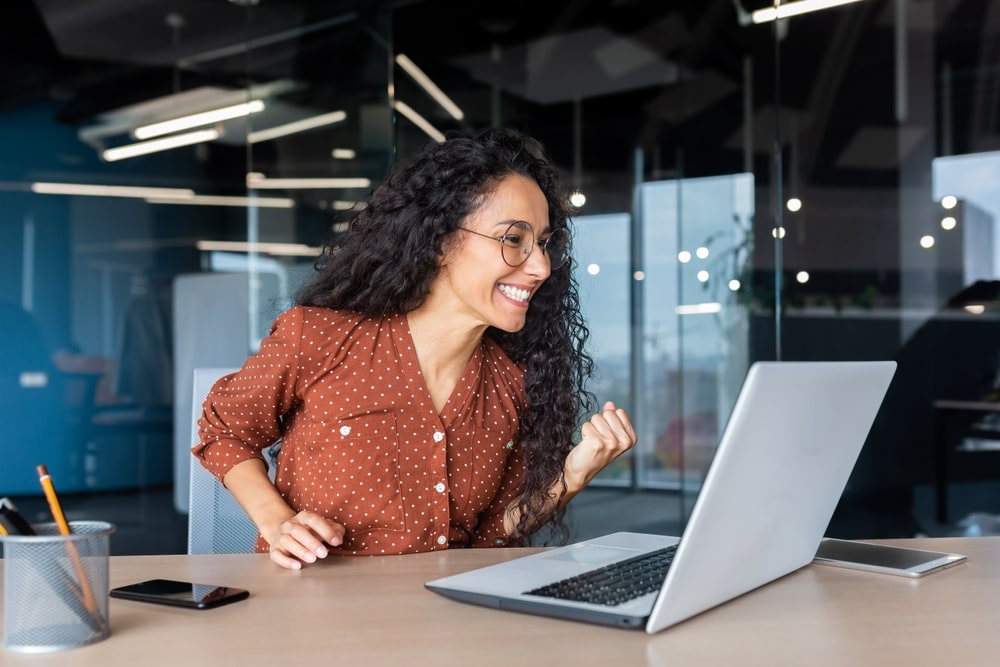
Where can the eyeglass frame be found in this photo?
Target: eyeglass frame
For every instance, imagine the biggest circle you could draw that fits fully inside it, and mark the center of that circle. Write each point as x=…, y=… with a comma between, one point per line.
x=542, y=243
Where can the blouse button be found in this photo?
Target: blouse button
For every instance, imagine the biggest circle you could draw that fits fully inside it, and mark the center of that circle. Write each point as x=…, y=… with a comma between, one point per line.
x=441, y=539
x=345, y=430
x=498, y=541
x=510, y=444
x=439, y=487
x=438, y=436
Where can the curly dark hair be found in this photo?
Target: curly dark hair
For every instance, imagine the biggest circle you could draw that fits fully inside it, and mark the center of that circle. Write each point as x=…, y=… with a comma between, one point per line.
x=387, y=260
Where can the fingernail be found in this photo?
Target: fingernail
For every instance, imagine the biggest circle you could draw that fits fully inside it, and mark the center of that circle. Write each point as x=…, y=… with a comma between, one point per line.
x=322, y=552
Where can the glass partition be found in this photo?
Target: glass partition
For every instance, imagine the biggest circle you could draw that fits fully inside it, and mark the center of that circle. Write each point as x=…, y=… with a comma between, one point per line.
x=695, y=235
x=820, y=187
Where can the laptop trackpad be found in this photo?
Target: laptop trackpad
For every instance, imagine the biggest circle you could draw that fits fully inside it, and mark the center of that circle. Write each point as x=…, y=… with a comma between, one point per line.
x=592, y=554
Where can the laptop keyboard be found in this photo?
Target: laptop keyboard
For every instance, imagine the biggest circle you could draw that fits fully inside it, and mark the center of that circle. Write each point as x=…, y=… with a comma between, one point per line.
x=616, y=583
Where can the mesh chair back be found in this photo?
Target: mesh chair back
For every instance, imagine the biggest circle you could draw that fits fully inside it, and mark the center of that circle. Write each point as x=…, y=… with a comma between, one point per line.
x=216, y=522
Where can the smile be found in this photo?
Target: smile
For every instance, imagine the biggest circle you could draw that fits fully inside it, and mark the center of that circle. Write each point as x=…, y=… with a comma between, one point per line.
x=514, y=293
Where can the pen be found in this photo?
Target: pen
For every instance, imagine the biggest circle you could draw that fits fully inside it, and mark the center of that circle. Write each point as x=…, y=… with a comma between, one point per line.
x=12, y=521
x=64, y=529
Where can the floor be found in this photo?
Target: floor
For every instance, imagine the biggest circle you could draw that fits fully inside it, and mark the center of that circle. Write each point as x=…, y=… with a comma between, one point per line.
x=147, y=523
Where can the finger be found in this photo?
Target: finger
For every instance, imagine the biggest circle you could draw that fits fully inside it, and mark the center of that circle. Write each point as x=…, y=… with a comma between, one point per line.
x=310, y=537
x=284, y=560
x=299, y=542
x=626, y=422
x=619, y=421
x=606, y=446
x=325, y=530
x=610, y=425
x=283, y=552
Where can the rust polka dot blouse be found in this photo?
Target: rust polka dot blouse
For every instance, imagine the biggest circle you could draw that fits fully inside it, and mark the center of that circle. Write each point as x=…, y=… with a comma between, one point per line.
x=361, y=441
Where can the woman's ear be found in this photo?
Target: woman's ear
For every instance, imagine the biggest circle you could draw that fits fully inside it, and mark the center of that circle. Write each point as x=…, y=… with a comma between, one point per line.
x=451, y=245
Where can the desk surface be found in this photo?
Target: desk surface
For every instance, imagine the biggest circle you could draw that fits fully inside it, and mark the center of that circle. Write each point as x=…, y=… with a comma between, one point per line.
x=375, y=611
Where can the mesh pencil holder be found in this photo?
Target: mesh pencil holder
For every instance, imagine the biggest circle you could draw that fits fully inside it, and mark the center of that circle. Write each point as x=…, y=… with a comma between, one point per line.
x=55, y=590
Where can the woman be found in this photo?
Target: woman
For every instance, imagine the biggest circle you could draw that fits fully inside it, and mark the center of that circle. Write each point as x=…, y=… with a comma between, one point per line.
x=428, y=385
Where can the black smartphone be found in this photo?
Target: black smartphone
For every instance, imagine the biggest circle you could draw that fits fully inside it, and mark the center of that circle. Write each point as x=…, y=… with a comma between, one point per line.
x=180, y=593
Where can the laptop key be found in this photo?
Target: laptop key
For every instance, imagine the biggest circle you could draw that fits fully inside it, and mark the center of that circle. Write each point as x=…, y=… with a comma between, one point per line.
x=614, y=584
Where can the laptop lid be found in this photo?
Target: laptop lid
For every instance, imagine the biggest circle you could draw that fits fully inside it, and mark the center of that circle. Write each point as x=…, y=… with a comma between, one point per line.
x=784, y=458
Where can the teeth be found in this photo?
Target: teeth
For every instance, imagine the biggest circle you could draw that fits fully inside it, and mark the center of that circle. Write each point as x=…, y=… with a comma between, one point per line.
x=515, y=293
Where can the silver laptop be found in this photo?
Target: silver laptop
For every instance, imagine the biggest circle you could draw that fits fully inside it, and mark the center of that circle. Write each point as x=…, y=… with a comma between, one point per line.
x=784, y=459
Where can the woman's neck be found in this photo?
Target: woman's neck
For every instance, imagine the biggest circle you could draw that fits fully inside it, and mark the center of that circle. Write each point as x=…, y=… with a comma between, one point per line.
x=443, y=347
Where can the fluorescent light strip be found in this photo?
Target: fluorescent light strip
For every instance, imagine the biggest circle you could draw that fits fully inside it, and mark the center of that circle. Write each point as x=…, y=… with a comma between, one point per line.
x=157, y=145
x=198, y=119
x=287, y=249
x=296, y=126
x=425, y=82
x=111, y=191
x=218, y=200
x=343, y=153
x=699, y=308
x=794, y=9
x=419, y=121
x=259, y=182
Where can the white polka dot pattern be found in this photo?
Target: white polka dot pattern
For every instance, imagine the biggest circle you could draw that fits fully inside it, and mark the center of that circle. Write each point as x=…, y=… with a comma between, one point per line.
x=361, y=441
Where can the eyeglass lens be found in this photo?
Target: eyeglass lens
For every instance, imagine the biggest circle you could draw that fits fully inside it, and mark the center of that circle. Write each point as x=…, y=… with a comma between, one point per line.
x=519, y=239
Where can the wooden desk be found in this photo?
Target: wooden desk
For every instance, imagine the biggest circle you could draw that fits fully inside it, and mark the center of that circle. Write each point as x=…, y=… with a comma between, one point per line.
x=375, y=611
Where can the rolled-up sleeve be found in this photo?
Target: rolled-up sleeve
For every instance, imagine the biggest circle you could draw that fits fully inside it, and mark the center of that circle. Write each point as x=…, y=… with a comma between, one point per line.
x=241, y=415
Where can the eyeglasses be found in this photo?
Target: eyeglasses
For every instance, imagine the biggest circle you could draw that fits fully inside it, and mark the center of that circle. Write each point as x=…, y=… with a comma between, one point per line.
x=518, y=241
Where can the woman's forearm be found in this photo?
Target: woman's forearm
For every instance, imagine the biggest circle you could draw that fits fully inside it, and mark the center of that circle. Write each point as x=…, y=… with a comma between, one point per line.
x=257, y=495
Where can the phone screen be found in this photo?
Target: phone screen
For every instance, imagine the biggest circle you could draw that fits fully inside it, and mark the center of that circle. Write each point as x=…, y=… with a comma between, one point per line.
x=180, y=593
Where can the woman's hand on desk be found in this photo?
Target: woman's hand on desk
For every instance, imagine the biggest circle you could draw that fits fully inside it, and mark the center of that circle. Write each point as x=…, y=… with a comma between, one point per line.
x=304, y=538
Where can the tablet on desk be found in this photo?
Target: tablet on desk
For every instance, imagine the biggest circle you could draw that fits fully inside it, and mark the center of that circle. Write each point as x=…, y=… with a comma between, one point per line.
x=884, y=558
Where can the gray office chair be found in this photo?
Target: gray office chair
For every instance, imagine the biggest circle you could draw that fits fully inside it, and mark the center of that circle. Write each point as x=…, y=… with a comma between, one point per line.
x=216, y=522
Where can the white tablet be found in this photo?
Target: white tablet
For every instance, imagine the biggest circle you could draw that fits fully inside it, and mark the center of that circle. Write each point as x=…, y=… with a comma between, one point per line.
x=884, y=558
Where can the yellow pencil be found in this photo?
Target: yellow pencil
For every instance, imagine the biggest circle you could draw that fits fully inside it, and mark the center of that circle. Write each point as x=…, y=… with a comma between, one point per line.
x=53, y=500
x=50, y=495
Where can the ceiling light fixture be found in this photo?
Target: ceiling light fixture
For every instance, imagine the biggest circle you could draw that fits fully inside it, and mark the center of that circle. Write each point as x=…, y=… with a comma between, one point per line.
x=287, y=249
x=429, y=86
x=784, y=10
x=261, y=182
x=419, y=121
x=89, y=190
x=296, y=126
x=221, y=200
x=699, y=308
x=198, y=119
x=157, y=145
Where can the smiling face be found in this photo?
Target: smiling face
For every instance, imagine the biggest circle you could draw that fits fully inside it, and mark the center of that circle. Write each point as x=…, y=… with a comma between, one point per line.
x=475, y=284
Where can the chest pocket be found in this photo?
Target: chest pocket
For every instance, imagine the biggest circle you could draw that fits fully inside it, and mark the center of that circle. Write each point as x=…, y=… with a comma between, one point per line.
x=347, y=470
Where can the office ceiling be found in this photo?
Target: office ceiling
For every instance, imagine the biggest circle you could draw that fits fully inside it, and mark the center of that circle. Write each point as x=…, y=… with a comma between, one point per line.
x=667, y=76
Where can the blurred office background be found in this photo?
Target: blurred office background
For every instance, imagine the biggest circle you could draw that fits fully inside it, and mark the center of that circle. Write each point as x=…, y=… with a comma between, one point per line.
x=821, y=187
